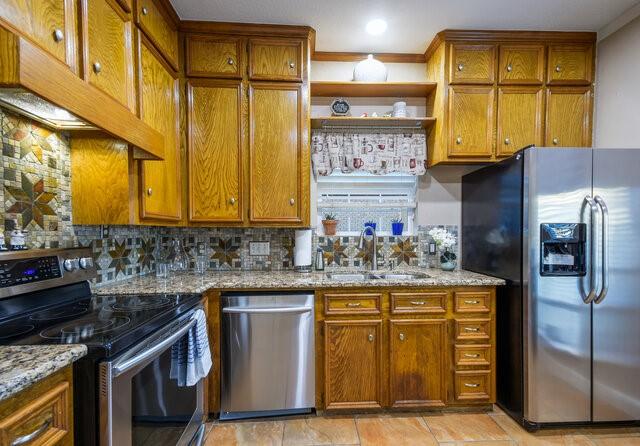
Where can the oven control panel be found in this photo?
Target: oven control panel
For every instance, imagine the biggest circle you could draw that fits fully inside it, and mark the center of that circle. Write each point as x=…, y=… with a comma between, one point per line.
x=20, y=271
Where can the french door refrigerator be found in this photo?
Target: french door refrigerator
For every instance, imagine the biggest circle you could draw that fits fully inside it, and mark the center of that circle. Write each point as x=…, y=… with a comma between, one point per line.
x=562, y=227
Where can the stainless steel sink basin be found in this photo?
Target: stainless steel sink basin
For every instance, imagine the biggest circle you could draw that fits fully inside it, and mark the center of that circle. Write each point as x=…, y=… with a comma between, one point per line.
x=355, y=277
x=401, y=276
x=347, y=277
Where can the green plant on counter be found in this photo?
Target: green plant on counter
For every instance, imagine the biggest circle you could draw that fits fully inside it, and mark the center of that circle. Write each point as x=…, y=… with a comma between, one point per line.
x=329, y=217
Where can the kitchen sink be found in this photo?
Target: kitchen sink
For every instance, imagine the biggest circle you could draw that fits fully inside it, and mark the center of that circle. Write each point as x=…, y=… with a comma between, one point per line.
x=355, y=277
x=400, y=276
x=347, y=277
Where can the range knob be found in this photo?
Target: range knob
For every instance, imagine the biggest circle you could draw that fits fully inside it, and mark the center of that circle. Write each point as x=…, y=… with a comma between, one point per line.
x=86, y=263
x=70, y=264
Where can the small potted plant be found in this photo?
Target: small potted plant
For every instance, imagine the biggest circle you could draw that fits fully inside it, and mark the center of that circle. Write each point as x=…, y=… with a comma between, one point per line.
x=329, y=224
x=445, y=241
x=397, y=226
x=371, y=224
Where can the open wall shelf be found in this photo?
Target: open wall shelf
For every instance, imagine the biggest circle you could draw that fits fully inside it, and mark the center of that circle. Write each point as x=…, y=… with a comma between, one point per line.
x=329, y=122
x=372, y=89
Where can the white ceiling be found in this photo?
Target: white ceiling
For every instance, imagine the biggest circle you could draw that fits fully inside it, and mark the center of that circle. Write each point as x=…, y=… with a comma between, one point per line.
x=412, y=23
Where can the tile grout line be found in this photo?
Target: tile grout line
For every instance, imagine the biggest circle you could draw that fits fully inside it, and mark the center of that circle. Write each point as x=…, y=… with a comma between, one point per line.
x=355, y=422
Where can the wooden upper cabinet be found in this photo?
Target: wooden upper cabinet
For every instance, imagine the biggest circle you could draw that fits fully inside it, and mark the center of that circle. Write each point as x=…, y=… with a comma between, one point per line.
x=214, y=56
x=520, y=118
x=215, y=150
x=417, y=362
x=158, y=29
x=472, y=64
x=159, y=107
x=521, y=64
x=352, y=364
x=108, y=50
x=275, y=59
x=569, y=114
x=471, y=121
x=570, y=64
x=276, y=154
x=49, y=23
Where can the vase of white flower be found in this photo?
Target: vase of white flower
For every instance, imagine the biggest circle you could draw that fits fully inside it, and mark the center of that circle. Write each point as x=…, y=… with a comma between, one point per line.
x=445, y=241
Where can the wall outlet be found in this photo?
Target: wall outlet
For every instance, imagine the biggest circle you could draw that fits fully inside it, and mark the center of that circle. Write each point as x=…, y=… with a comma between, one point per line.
x=259, y=248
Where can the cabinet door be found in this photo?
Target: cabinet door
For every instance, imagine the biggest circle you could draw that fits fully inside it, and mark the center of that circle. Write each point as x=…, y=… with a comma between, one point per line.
x=108, y=50
x=472, y=64
x=159, y=102
x=418, y=350
x=275, y=59
x=568, y=121
x=275, y=165
x=214, y=56
x=520, y=115
x=49, y=23
x=158, y=29
x=570, y=64
x=471, y=121
x=521, y=64
x=352, y=364
x=215, y=150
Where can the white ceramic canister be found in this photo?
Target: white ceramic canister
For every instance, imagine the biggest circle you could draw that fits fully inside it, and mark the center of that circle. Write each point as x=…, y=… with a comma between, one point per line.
x=400, y=109
x=370, y=70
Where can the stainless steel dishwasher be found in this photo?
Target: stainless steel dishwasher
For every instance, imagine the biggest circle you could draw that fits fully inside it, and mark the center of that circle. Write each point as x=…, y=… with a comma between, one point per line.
x=268, y=354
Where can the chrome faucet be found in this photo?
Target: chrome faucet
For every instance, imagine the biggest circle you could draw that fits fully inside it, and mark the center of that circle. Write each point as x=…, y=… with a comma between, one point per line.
x=374, y=257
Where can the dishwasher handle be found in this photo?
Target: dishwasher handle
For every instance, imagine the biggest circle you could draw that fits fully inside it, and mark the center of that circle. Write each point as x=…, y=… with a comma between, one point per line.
x=268, y=310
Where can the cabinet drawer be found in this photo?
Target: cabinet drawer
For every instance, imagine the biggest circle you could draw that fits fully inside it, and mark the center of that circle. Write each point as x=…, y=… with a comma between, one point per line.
x=472, y=302
x=419, y=303
x=46, y=419
x=158, y=29
x=521, y=64
x=472, y=64
x=473, y=329
x=570, y=64
x=472, y=355
x=214, y=56
x=473, y=385
x=335, y=304
x=275, y=59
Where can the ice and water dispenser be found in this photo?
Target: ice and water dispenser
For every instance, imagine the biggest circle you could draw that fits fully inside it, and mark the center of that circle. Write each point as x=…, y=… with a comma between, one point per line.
x=562, y=249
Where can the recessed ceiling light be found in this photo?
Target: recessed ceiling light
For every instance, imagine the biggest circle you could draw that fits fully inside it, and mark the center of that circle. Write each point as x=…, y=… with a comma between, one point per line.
x=376, y=27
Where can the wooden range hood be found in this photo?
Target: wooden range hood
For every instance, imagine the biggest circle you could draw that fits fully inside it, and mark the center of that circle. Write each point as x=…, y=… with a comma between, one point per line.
x=26, y=70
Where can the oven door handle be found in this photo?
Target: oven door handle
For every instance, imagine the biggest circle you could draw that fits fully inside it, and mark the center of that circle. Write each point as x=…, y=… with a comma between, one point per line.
x=126, y=364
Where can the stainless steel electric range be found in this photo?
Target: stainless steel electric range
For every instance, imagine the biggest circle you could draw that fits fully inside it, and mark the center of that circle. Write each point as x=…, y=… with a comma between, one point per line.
x=123, y=392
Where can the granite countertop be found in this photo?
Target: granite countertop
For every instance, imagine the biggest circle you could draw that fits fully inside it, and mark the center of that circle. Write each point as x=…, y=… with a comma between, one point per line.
x=23, y=365
x=189, y=282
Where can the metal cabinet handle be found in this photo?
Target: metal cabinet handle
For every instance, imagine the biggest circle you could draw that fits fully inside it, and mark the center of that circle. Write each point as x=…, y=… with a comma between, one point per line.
x=459, y=140
x=145, y=11
x=592, y=257
x=353, y=304
x=292, y=65
x=471, y=355
x=555, y=141
x=33, y=435
x=558, y=68
x=371, y=337
x=58, y=35
x=292, y=201
x=605, y=249
x=507, y=141
x=230, y=61
x=472, y=302
x=97, y=67
x=471, y=329
x=232, y=200
x=472, y=385
x=149, y=191
x=509, y=68
x=417, y=302
x=401, y=336
x=460, y=67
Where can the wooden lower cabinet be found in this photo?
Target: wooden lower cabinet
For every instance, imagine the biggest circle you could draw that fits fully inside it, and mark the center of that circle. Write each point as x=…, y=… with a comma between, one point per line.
x=417, y=353
x=353, y=353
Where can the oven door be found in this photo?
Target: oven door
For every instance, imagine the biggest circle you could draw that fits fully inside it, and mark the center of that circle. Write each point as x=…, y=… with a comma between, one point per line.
x=140, y=404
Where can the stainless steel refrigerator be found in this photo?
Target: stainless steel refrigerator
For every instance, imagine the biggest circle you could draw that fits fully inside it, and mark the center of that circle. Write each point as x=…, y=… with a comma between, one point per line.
x=562, y=227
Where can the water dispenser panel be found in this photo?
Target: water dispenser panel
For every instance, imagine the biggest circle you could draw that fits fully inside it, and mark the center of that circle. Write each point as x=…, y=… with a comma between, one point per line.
x=562, y=249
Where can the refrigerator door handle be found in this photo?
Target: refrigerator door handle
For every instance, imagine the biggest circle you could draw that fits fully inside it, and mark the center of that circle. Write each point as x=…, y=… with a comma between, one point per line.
x=593, y=208
x=605, y=249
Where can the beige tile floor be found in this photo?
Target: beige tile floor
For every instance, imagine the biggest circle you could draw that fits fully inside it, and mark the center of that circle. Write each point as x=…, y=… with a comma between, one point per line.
x=432, y=429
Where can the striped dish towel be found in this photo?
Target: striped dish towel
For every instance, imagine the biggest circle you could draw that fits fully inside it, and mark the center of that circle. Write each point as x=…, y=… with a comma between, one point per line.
x=190, y=356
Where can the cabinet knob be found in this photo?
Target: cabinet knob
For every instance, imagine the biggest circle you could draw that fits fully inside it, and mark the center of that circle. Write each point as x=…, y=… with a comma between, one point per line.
x=230, y=61
x=459, y=140
x=558, y=68
x=509, y=68
x=145, y=11
x=402, y=336
x=97, y=67
x=292, y=201
x=507, y=141
x=58, y=35
x=371, y=337
x=555, y=141
x=460, y=67
x=232, y=200
x=149, y=191
x=292, y=65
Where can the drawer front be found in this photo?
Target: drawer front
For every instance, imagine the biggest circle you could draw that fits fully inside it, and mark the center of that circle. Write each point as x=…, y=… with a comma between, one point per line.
x=273, y=59
x=419, y=303
x=472, y=64
x=337, y=304
x=472, y=355
x=472, y=302
x=521, y=64
x=214, y=56
x=473, y=329
x=473, y=385
x=570, y=65
x=45, y=420
x=158, y=30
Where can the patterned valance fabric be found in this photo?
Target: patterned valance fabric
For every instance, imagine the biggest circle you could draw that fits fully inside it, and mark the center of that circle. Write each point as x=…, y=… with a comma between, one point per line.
x=377, y=153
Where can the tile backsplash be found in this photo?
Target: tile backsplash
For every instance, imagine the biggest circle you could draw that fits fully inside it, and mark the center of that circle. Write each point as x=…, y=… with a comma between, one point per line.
x=36, y=195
